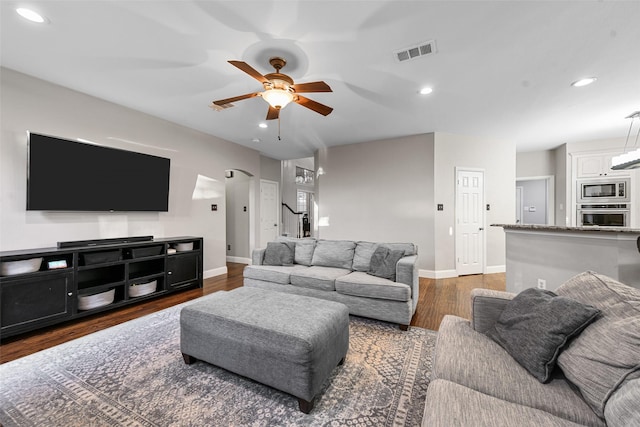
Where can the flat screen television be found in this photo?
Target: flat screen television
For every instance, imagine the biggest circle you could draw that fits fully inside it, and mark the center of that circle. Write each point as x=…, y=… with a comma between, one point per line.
x=64, y=175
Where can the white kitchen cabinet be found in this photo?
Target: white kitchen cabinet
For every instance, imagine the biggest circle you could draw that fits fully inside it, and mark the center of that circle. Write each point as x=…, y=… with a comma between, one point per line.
x=597, y=165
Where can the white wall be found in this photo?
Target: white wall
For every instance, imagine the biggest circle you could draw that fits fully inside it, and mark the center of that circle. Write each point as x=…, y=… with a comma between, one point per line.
x=498, y=160
x=563, y=184
x=31, y=104
x=535, y=163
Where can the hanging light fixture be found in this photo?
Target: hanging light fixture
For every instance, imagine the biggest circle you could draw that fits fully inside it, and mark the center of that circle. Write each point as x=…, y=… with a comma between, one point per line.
x=631, y=159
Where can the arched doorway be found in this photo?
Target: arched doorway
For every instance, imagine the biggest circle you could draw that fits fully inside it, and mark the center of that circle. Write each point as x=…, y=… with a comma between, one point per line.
x=239, y=214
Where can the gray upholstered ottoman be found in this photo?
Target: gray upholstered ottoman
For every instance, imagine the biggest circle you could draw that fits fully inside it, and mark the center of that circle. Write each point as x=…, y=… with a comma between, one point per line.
x=289, y=342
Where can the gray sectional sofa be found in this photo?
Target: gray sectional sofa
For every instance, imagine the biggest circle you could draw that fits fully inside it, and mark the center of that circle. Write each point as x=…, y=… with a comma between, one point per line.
x=596, y=379
x=375, y=280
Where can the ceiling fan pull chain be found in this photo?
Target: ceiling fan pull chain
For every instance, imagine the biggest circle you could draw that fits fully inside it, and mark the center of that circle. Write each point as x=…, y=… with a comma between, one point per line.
x=279, y=128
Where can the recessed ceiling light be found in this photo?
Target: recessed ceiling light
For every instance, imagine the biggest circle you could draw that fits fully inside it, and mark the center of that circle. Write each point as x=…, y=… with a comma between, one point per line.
x=425, y=91
x=30, y=15
x=584, y=82
x=263, y=125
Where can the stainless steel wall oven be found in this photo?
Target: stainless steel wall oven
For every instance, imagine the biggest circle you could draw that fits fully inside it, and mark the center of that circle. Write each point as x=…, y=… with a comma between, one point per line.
x=603, y=215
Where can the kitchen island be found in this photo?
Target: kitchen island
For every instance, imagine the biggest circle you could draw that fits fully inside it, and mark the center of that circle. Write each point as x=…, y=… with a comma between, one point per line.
x=547, y=255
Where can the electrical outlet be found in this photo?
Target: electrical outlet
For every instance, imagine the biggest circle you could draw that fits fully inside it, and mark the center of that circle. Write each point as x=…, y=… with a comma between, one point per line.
x=542, y=284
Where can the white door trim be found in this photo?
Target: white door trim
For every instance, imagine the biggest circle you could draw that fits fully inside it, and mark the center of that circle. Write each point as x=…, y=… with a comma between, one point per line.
x=551, y=194
x=458, y=170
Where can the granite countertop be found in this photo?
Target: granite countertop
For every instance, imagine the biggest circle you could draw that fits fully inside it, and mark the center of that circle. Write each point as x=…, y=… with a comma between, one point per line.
x=536, y=227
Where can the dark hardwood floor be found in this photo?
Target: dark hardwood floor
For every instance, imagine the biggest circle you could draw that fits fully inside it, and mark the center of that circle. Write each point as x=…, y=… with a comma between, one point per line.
x=437, y=298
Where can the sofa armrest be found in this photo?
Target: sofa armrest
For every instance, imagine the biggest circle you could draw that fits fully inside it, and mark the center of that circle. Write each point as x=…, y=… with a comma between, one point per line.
x=407, y=273
x=257, y=256
x=486, y=307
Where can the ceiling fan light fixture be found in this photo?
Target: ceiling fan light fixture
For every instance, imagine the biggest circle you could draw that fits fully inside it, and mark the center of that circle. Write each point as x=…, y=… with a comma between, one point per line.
x=277, y=98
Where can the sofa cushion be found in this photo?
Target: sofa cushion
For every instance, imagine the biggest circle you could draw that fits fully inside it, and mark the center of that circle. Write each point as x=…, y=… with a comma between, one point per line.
x=622, y=408
x=383, y=262
x=449, y=404
x=535, y=326
x=303, y=250
x=362, y=256
x=279, y=253
x=334, y=253
x=361, y=284
x=271, y=273
x=606, y=353
x=472, y=359
x=316, y=277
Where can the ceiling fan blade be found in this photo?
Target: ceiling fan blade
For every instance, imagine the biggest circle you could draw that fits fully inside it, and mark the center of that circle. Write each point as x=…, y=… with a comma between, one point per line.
x=249, y=70
x=273, y=113
x=235, y=98
x=313, y=105
x=311, y=87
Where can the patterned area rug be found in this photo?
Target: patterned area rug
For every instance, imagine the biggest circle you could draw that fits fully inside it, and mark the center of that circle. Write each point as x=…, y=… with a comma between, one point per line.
x=133, y=375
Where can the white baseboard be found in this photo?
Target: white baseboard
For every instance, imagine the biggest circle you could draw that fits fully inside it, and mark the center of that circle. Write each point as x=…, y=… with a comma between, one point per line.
x=445, y=274
x=491, y=269
x=239, y=260
x=440, y=274
x=215, y=272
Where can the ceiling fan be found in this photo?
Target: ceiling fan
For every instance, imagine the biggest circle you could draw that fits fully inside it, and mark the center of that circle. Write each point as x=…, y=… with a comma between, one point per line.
x=279, y=90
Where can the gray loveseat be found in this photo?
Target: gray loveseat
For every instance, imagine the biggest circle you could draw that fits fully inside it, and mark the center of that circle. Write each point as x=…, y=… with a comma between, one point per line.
x=341, y=270
x=596, y=381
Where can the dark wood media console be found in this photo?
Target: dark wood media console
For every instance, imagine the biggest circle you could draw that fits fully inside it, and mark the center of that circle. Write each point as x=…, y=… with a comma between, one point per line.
x=73, y=282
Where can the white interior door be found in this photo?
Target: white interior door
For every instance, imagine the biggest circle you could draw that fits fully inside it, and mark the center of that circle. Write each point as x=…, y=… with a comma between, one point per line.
x=269, y=209
x=469, y=221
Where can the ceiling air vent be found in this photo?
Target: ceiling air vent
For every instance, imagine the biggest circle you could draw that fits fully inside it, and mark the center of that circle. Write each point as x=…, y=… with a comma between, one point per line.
x=417, y=51
x=221, y=107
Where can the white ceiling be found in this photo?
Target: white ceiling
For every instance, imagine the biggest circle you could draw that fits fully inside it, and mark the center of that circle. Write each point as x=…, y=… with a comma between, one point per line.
x=502, y=69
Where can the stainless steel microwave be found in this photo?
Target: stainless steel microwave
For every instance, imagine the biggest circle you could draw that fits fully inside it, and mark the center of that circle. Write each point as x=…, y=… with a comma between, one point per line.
x=612, y=190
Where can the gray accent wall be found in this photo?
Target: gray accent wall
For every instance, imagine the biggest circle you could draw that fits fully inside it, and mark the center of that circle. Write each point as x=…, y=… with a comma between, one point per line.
x=198, y=164
x=380, y=191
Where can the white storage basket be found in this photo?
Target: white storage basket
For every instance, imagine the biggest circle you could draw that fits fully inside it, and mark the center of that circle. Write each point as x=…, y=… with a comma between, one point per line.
x=143, y=289
x=87, y=302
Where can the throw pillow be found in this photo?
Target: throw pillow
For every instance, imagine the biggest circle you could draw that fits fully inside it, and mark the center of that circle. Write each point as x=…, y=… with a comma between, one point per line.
x=279, y=253
x=362, y=256
x=383, y=262
x=535, y=326
x=304, y=251
x=334, y=253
